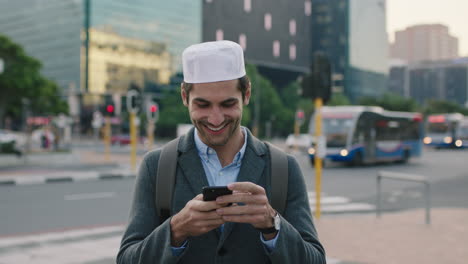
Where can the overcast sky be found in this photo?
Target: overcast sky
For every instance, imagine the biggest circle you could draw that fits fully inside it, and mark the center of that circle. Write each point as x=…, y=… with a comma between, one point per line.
x=452, y=13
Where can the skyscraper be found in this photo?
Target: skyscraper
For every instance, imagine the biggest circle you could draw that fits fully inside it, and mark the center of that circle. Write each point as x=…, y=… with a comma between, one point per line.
x=275, y=35
x=424, y=43
x=352, y=34
x=129, y=42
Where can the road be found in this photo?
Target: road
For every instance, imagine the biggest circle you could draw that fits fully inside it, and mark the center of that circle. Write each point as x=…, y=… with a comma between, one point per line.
x=82, y=222
x=61, y=206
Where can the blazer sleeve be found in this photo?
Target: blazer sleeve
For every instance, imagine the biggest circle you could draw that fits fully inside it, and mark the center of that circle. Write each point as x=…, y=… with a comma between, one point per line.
x=298, y=241
x=146, y=240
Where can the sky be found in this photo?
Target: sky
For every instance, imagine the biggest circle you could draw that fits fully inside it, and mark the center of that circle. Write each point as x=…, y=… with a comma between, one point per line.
x=452, y=13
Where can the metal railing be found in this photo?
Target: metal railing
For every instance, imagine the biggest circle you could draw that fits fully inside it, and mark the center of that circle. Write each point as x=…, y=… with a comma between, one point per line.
x=404, y=177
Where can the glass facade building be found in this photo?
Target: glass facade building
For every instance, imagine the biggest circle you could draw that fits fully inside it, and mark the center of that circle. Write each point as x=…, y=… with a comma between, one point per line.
x=353, y=34
x=130, y=41
x=50, y=32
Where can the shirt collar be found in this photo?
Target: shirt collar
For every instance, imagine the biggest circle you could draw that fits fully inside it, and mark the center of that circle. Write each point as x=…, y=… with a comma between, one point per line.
x=204, y=150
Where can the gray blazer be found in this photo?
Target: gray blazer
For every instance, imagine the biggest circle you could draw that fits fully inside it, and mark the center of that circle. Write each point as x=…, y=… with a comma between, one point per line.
x=148, y=241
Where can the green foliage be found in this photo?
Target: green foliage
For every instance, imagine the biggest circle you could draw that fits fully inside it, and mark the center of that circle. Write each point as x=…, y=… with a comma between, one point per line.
x=392, y=102
x=440, y=106
x=172, y=112
x=272, y=107
x=339, y=99
x=21, y=80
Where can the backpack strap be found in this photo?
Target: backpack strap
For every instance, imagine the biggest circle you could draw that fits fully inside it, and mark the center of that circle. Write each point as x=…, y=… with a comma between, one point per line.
x=279, y=177
x=165, y=179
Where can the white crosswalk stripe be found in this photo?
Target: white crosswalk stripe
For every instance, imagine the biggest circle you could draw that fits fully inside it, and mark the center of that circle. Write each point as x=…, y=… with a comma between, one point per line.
x=338, y=204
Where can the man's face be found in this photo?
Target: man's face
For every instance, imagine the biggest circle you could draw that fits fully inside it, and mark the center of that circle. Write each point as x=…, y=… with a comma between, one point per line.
x=216, y=110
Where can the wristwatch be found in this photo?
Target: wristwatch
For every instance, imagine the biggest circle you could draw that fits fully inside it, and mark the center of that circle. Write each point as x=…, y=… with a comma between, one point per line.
x=274, y=228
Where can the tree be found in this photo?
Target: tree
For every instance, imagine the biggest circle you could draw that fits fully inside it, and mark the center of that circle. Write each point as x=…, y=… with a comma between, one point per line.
x=441, y=106
x=21, y=80
x=339, y=99
x=271, y=106
x=392, y=102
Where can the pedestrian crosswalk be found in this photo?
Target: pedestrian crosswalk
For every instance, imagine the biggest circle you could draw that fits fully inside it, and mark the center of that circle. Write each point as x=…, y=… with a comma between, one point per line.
x=338, y=204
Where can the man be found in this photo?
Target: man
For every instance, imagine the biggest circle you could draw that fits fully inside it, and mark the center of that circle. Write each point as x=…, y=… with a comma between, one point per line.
x=218, y=151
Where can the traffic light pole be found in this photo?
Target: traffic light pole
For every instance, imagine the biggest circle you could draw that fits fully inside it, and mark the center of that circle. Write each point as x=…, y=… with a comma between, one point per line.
x=107, y=138
x=317, y=158
x=150, y=131
x=133, y=141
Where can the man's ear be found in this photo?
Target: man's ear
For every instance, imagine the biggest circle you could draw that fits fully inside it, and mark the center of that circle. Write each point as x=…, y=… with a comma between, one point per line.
x=247, y=94
x=184, y=95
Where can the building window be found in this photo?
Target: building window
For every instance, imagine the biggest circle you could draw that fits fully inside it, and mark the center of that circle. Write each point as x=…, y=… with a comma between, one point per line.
x=267, y=21
x=308, y=7
x=247, y=5
x=292, y=52
x=243, y=41
x=219, y=34
x=276, y=48
x=292, y=27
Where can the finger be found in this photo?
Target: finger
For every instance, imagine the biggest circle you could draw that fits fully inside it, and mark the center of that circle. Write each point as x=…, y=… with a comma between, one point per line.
x=199, y=197
x=203, y=206
x=244, y=198
x=243, y=210
x=251, y=219
x=247, y=187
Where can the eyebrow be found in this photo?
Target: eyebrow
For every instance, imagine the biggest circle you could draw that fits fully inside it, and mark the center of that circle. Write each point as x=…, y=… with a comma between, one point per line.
x=203, y=101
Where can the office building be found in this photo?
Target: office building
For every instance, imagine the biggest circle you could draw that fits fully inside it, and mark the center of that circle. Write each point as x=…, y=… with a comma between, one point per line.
x=353, y=34
x=275, y=35
x=136, y=42
x=437, y=80
x=424, y=43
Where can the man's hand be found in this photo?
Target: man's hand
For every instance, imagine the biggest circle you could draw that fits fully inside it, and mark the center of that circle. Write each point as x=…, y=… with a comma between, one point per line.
x=196, y=218
x=255, y=208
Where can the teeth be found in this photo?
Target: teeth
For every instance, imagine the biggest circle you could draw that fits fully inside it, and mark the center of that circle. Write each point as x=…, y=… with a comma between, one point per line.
x=216, y=129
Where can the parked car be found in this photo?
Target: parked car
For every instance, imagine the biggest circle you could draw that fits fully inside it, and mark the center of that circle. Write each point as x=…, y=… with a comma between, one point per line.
x=11, y=142
x=302, y=141
x=124, y=139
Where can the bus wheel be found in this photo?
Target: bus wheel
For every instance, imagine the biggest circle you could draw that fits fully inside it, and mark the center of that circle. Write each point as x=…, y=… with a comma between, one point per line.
x=357, y=160
x=405, y=157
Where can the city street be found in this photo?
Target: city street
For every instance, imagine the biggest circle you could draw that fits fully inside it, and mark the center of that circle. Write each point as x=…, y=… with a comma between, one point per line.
x=102, y=206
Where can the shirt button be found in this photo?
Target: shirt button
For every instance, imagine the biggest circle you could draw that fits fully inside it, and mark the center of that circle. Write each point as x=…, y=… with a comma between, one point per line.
x=220, y=174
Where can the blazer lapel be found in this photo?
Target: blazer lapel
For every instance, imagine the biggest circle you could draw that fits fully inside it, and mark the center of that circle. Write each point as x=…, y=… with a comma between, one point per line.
x=191, y=165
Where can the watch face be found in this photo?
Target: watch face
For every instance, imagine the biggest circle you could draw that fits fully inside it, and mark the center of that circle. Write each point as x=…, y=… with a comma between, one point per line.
x=277, y=222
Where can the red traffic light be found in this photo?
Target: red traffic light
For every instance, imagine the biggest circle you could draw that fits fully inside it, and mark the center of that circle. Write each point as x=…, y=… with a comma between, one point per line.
x=300, y=114
x=110, y=109
x=153, y=108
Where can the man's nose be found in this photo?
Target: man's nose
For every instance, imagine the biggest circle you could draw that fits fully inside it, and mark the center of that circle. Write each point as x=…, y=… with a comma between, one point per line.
x=216, y=117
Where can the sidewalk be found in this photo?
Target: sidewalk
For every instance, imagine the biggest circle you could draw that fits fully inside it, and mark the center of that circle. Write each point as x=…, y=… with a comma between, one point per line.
x=77, y=165
x=396, y=238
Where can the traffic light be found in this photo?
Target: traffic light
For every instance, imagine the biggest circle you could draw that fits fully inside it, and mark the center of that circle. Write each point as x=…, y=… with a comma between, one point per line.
x=152, y=111
x=318, y=82
x=109, y=109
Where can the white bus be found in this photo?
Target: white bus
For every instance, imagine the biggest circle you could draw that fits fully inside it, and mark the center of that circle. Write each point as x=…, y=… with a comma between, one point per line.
x=444, y=130
x=368, y=134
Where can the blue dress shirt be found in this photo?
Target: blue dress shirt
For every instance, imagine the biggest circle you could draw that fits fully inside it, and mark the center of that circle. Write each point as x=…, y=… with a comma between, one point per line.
x=219, y=176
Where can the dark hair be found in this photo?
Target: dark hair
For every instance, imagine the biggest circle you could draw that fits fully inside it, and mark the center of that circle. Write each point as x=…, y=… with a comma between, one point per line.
x=243, y=84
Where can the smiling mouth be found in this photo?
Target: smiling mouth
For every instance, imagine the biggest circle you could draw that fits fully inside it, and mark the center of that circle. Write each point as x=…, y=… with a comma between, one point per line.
x=216, y=129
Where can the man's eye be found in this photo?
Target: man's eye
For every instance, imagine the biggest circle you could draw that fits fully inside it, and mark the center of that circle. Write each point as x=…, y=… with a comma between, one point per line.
x=203, y=105
x=229, y=104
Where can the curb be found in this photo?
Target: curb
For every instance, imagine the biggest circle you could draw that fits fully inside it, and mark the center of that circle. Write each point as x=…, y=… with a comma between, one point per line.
x=66, y=177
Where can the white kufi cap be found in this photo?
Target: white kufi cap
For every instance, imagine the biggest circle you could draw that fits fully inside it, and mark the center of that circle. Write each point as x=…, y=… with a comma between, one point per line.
x=213, y=62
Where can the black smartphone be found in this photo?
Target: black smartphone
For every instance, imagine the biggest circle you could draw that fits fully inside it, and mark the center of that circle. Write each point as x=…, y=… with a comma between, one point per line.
x=210, y=193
